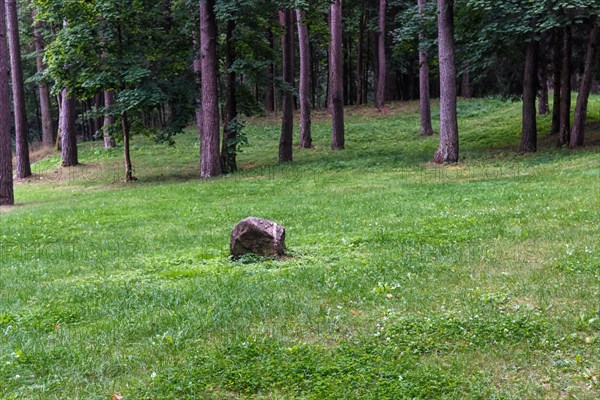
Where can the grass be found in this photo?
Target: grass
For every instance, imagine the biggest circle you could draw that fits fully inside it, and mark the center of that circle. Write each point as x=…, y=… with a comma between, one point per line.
x=404, y=280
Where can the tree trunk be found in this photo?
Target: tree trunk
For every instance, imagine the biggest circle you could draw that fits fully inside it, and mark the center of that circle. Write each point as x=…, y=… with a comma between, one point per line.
x=287, y=119
x=270, y=92
x=426, y=129
x=448, y=149
x=465, y=86
x=360, y=95
x=23, y=167
x=127, y=156
x=109, y=120
x=305, y=120
x=197, y=69
x=48, y=137
x=565, y=90
x=529, y=127
x=543, y=106
x=68, y=136
x=381, y=72
x=577, y=135
x=556, y=65
x=7, y=197
x=228, y=147
x=210, y=163
x=335, y=77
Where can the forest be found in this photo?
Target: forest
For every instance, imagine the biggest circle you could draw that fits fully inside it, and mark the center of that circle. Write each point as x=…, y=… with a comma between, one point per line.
x=92, y=70
x=434, y=164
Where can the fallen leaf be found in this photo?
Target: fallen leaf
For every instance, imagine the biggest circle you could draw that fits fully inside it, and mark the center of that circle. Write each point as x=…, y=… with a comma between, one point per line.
x=390, y=296
x=354, y=312
x=117, y=396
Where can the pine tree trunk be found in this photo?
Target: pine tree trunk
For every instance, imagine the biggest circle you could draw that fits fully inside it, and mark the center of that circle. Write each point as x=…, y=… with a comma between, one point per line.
x=448, y=149
x=529, y=127
x=360, y=95
x=542, y=95
x=270, y=92
x=210, y=163
x=426, y=129
x=68, y=136
x=48, y=137
x=556, y=66
x=382, y=70
x=287, y=119
x=197, y=69
x=23, y=167
x=305, y=119
x=565, y=90
x=7, y=197
x=336, y=78
x=228, y=150
x=465, y=86
x=577, y=135
x=126, y=153
x=109, y=120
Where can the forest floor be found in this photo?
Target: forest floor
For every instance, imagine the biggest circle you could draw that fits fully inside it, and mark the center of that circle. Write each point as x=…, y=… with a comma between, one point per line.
x=404, y=280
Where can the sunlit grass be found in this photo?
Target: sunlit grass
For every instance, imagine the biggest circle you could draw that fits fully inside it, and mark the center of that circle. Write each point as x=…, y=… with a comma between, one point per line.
x=404, y=280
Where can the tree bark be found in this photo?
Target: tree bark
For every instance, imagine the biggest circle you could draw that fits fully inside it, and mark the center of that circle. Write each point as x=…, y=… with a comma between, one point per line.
x=210, y=164
x=7, y=197
x=529, y=127
x=556, y=66
x=287, y=118
x=448, y=149
x=577, y=135
x=336, y=78
x=360, y=95
x=270, y=92
x=565, y=89
x=68, y=136
x=126, y=153
x=197, y=69
x=228, y=148
x=426, y=129
x=48, y=137
x=543, y=106
x=465, y=86
x=109, y=120
x=305, y=119
x=382, y=70
x=23, y=167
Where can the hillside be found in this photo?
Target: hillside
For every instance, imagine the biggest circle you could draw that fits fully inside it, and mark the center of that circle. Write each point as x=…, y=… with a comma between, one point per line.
x=403, y=280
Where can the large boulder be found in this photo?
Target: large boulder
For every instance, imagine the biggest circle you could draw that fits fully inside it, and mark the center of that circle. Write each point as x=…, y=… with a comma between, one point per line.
x=258, y=236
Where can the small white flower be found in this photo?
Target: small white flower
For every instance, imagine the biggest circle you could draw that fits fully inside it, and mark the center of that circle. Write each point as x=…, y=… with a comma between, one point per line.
x=153, y=375
x=17, y=376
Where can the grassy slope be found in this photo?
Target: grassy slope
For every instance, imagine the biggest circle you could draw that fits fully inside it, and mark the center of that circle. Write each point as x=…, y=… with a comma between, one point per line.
x=405, y=280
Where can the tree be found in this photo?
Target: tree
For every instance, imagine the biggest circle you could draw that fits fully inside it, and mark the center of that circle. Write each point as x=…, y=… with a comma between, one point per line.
x=382, y=67
x=565, y=89
x=336, y=76
x=210, y=164
x=23, y=167
x=228, y=149
x=577, y=135
x=66, y=127
x=448, y=149
x=305, y=120
x=287, y=120
x=556, y=66
x=426, y=129
x=529, y=127
x=48, y=138
x=109, y=120
x=6, y=171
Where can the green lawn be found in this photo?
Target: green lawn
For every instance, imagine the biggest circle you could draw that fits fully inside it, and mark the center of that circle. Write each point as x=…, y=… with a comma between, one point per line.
x=404, y=280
